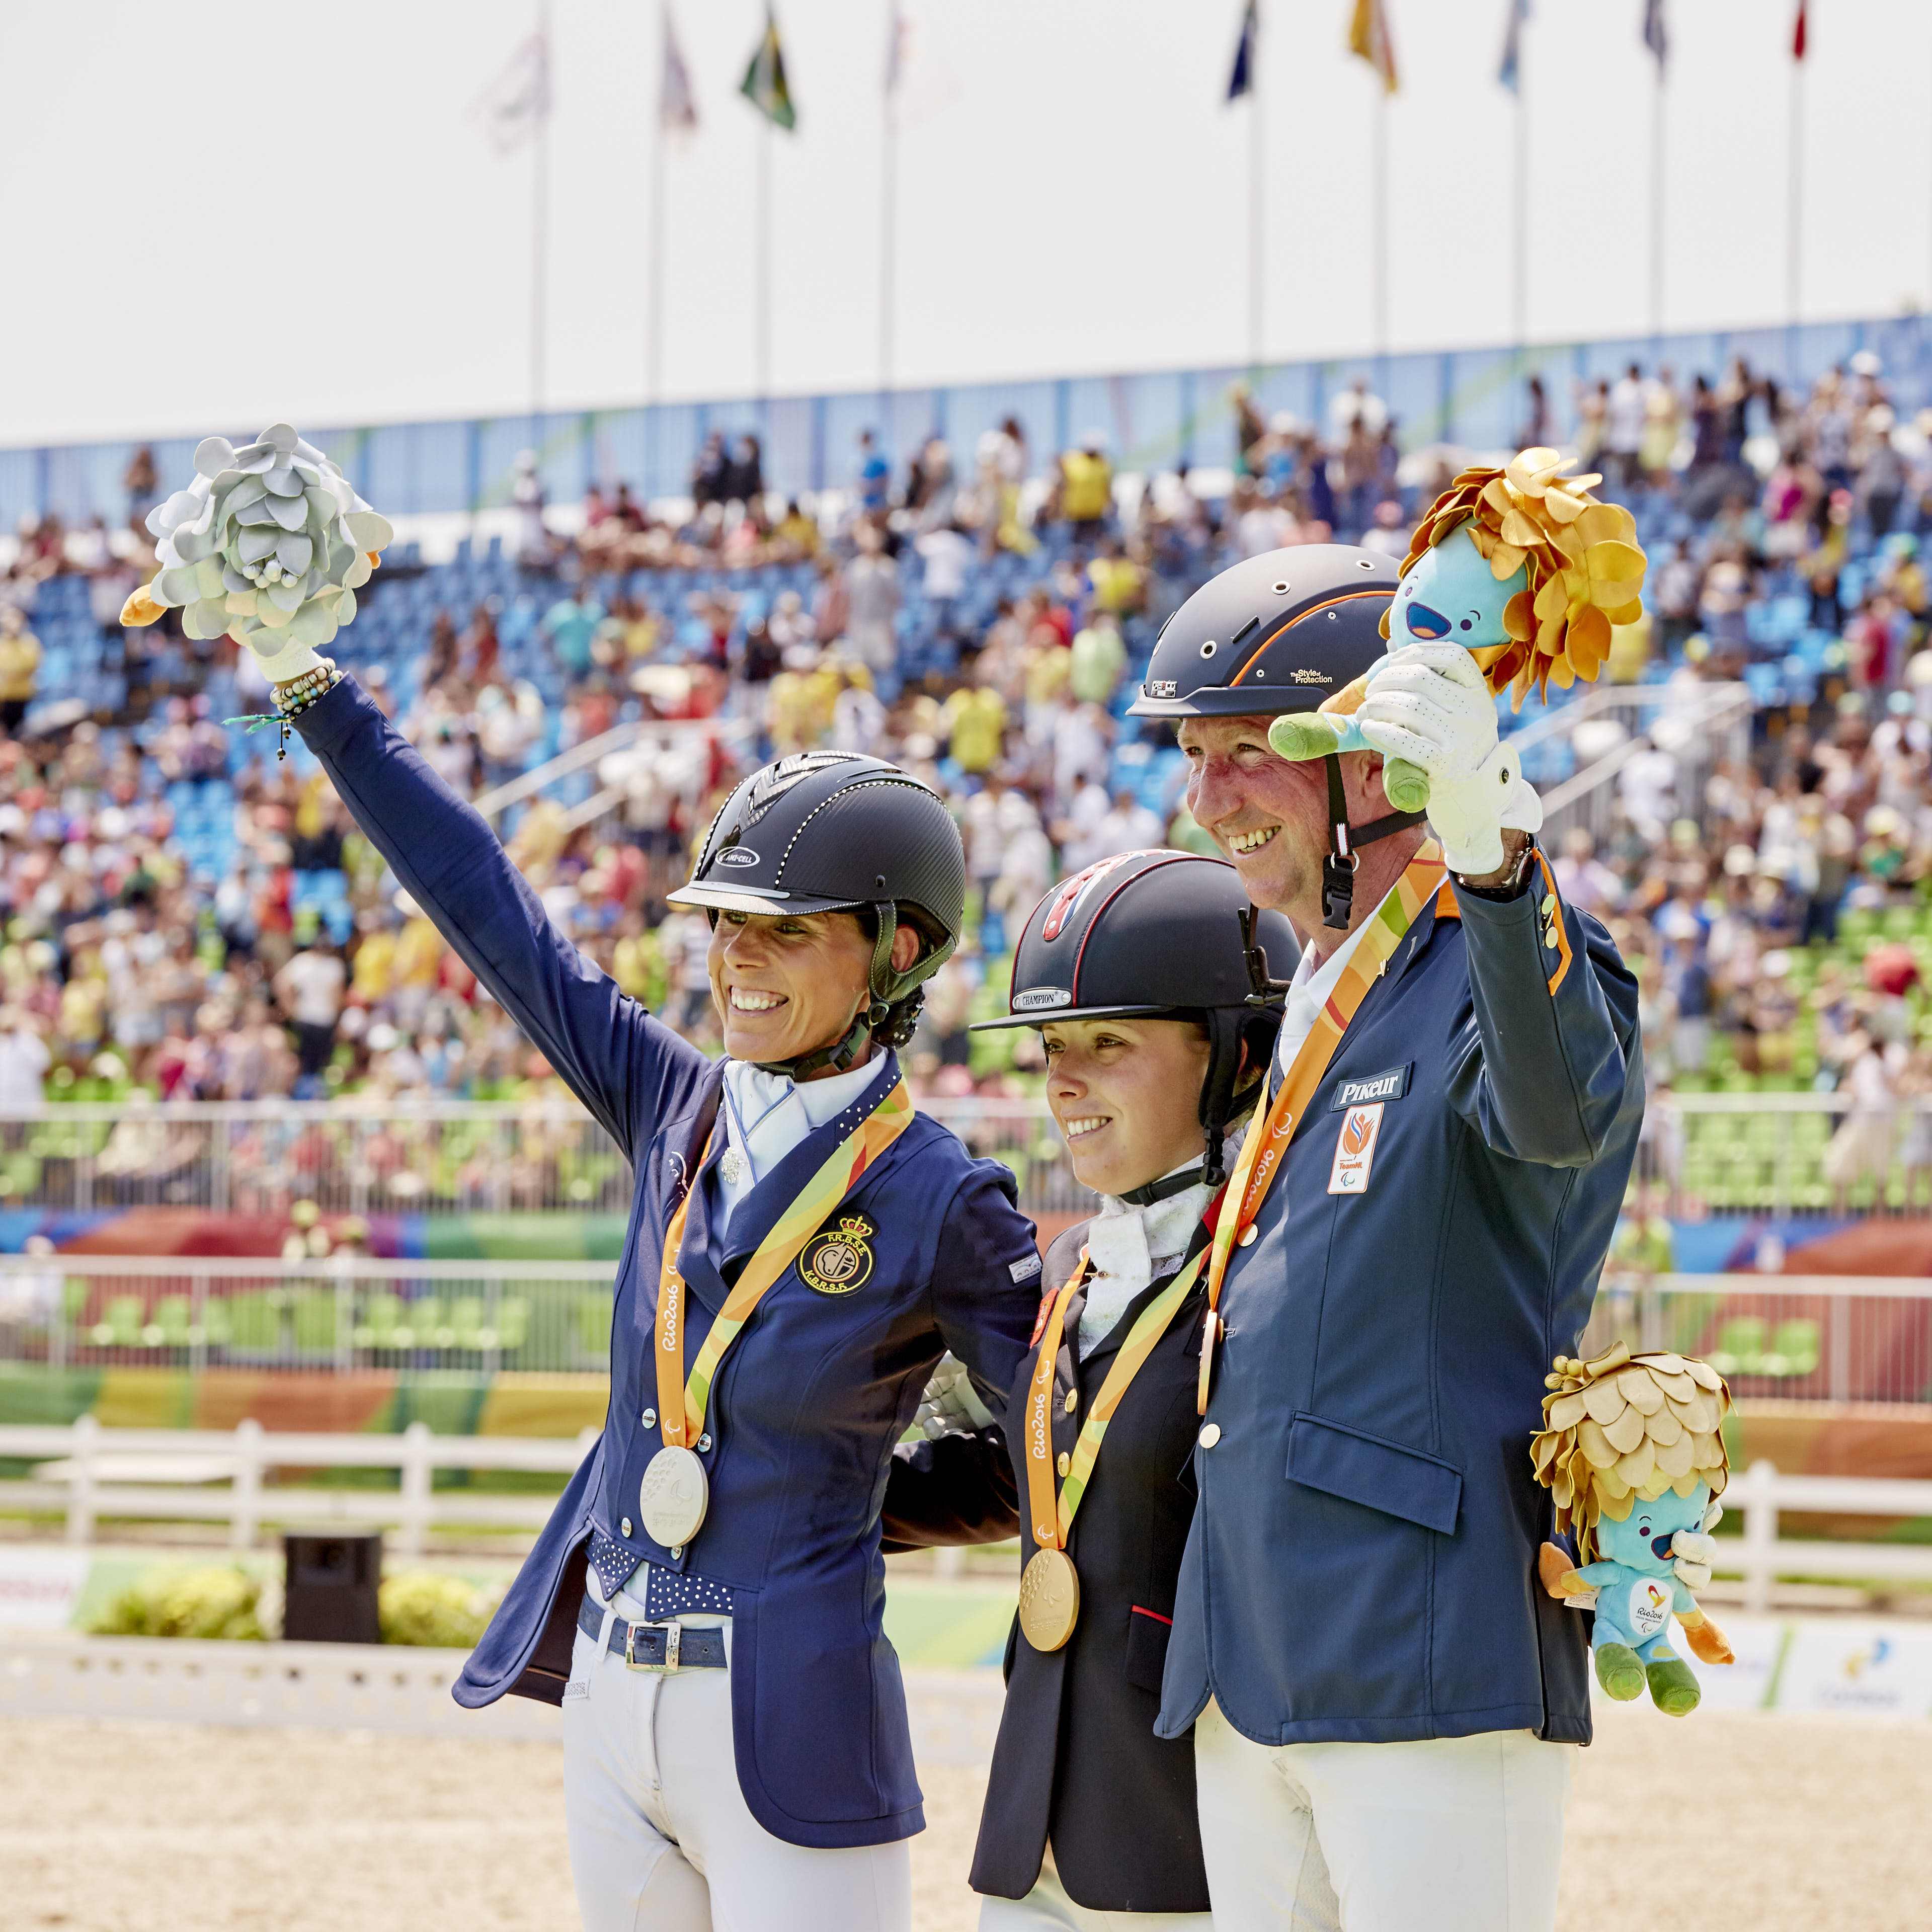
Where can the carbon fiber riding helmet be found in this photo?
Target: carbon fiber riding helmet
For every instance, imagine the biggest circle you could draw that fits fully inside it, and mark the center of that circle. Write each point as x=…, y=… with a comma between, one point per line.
x=1280, y=632
x=1147, y=934
x=834, y=832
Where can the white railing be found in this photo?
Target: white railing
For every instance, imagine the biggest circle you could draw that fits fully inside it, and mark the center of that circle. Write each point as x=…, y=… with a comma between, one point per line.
x=1781, y=1153
x=84, y=1472
x=1821, y=1338
x=1761, y=1556
x=335, y=1315
x=1818, y=1338
x=432, y=1157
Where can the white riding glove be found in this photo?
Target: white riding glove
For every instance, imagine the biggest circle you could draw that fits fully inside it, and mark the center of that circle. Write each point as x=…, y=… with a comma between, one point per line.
x=1430, y=704
x=280, y=656
x=951, y=1406
x=1694, y=1553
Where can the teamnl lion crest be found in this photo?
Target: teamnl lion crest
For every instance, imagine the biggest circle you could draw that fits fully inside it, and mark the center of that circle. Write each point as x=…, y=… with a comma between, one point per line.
x=838, y=1260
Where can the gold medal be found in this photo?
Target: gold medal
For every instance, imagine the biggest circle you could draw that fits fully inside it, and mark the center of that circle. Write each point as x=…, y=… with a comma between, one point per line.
x=1049, y=1599
x=673, y=1497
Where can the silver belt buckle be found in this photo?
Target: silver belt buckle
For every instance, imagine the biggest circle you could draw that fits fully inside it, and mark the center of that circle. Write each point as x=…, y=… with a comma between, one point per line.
x=674, y=1638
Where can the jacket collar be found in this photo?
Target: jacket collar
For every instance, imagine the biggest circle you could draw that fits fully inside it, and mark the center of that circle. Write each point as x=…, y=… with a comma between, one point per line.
x=756, y=1215
x=1440, y=913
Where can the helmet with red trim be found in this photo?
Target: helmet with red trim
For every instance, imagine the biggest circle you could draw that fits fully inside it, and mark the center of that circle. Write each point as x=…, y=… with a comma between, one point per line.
x=1152, y=934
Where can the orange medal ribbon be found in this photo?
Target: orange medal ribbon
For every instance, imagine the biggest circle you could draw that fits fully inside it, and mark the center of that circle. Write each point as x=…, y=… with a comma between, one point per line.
x=1264, y=1150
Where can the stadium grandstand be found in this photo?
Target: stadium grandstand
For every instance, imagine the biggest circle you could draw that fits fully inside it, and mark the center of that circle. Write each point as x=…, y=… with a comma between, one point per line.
x=218, y=1010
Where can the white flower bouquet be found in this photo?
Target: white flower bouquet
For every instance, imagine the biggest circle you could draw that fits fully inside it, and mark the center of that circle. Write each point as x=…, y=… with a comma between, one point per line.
x=270, y=543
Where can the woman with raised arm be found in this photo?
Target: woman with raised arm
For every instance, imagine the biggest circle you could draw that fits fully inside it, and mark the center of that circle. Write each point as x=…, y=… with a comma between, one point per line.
x=706, y=1600
x=1158, y=1016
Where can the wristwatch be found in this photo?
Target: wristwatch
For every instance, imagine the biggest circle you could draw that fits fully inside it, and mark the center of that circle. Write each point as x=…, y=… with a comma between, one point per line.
x=1510, y=885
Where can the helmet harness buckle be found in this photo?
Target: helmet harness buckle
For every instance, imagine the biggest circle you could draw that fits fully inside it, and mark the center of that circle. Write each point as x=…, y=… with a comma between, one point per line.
x=1343, y=859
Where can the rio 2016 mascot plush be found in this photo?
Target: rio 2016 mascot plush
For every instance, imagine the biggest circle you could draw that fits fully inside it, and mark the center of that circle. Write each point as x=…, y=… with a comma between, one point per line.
x=1633, y=1453
x=1521, y=567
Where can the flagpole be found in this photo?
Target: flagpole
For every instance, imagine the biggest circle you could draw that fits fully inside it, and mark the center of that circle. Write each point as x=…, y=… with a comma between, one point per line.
x=1257, y=185
x=1519, y=240
x=660, y=149
x=1381, y=186
x=1794, y=245
x=540, y=232
x=1657, y=214
x=763, y=348
x=889, y=224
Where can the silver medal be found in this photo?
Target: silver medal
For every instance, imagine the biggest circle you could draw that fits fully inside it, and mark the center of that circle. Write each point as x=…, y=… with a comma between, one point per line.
x=673, y=1497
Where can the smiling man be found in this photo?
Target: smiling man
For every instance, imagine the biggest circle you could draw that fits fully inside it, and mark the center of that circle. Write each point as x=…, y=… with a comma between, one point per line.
x=1386, y=1703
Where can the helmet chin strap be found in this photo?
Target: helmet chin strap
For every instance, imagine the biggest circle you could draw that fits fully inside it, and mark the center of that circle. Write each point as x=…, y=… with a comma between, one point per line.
x=1339, y=863
x=871, y=1013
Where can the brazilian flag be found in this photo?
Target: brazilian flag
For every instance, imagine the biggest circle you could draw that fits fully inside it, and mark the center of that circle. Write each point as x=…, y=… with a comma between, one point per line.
x=764, y=85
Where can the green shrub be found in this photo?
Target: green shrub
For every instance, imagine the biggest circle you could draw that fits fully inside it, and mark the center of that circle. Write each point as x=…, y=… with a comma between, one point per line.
x=422, y=1607
x=224, y=1604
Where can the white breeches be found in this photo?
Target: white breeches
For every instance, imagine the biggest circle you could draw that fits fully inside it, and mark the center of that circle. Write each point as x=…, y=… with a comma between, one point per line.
x=1048, y=1909
x=1455, y=1834
x=660, y=1838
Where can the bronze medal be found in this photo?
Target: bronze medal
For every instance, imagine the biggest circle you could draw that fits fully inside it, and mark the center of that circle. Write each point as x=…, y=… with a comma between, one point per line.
x=1049, y=1599
x=673, y=1497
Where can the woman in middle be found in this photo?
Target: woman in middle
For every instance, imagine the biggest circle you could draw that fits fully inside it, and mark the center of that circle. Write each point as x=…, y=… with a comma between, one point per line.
x=1157, y=1020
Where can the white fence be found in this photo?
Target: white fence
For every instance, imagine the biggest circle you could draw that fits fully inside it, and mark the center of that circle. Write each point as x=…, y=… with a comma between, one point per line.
x=335, y=1314
x=1818, y=1338
x=439, y=1157
x=1828, y=1338
x=1761, y=1153
x=84, y=1472
x=1761, y=1556
x=206, y=1476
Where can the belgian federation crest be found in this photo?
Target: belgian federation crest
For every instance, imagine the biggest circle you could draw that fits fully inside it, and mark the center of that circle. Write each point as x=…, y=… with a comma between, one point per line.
x=837, y=1260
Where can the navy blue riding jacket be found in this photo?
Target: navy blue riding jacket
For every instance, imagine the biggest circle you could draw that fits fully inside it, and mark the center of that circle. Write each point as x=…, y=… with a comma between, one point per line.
x=812, y=1395
x=1362, y=1565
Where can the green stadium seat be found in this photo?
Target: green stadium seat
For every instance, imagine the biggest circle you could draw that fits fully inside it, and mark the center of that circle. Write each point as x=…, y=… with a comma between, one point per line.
x=122, y=1324
x=255, y=1321
x=381, y=1314
x=1794, y=1350
x=315, y=1320
x=593, y=1321
x=1740, y=1349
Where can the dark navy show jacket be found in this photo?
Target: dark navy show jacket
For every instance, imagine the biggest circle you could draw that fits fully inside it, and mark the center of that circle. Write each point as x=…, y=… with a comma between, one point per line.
x=811, y=1398
x=1362, y=1564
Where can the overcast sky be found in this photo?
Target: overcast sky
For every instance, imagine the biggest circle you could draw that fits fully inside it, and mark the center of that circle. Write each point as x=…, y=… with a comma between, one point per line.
x=219, y=212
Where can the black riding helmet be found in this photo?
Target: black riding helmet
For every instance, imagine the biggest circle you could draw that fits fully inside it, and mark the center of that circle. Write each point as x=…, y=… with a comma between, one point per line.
x=1280, y=632
x=833, y=832
x=1159, y=933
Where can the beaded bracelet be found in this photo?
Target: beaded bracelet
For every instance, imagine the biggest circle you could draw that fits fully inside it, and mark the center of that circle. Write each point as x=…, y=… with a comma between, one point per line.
x=291, y=699
x=298, y=694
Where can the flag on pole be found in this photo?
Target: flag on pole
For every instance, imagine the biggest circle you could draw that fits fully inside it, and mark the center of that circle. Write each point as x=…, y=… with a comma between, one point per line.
x=1506, y=72
x=1242, y=80
x=920, y=81
x=764, y=85
x=1369, y=39
x=1798, y=34
x=677, y=104
x=1656, y=35
x=510, y=108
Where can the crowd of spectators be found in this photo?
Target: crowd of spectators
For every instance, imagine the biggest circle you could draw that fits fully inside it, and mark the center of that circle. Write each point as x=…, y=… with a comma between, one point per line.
x=186, y=916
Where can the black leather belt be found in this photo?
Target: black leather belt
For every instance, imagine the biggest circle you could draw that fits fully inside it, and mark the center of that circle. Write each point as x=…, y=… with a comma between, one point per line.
x=654, y=1646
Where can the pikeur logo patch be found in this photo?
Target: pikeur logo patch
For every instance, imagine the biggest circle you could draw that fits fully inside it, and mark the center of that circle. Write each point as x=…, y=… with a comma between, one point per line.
x=1389, y=1086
